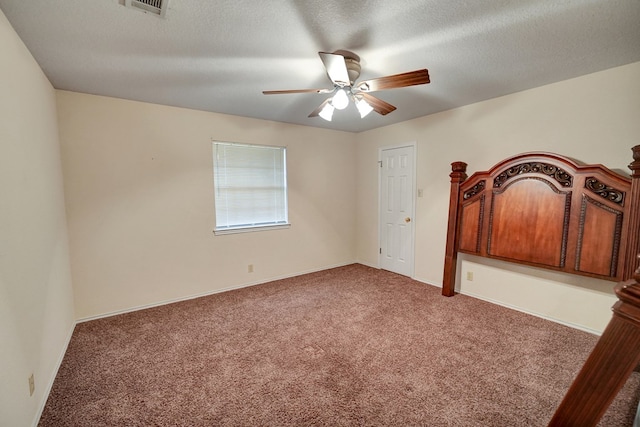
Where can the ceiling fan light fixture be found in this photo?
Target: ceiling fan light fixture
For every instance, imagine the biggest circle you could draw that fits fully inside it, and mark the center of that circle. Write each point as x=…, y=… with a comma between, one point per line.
x=340, y=99
x=343, y=69
x=363, y=107
x=327, y=112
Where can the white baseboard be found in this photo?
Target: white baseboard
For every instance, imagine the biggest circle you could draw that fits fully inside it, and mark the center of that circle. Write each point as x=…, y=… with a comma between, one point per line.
x=377, y=267
x=533, y=313
x=207, y=293
x=49, y=385
x=522, y=310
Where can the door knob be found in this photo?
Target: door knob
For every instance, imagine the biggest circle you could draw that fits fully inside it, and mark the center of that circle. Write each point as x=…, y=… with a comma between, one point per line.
x=407, y=219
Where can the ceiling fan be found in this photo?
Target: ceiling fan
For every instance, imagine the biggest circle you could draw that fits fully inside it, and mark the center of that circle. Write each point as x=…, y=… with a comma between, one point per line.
x=343, y=69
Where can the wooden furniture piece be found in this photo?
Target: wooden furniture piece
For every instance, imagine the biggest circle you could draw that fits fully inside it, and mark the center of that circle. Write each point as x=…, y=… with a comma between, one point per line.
x=548, y=211
x=613, y=359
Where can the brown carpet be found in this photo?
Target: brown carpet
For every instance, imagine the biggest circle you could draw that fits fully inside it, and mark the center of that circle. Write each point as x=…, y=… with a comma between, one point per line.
x=350, y=346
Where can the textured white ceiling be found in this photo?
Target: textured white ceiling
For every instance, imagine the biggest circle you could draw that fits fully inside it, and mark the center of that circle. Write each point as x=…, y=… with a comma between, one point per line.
x=219, y=55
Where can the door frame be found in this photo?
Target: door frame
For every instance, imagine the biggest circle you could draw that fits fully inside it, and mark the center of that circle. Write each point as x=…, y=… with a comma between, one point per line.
x=413, y=145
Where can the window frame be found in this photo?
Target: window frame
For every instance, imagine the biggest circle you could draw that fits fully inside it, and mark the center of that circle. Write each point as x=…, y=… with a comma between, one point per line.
x=253, y=227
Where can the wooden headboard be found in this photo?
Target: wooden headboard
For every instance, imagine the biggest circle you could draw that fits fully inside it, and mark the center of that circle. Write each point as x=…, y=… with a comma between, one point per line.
x=549, y=211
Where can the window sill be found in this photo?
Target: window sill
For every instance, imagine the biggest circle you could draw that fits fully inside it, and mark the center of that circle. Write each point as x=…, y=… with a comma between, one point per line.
x=250, y=229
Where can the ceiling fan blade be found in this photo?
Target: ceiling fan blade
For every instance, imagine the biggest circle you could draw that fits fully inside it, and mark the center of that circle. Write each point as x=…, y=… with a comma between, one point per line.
x=316, y=112
x=411, y=78
x=280, y=92
x=336, y=68
x=378, y=105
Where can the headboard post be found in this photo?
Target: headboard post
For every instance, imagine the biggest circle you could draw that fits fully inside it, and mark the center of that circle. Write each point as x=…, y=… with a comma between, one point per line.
x=633, y=242
x=458, y=175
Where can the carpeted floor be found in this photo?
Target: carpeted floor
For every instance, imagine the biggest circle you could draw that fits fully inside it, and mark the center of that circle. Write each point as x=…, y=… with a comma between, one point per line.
x=350, y=346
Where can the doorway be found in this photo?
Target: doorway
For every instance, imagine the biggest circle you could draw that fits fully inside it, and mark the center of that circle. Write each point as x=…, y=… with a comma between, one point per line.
x=397, y=209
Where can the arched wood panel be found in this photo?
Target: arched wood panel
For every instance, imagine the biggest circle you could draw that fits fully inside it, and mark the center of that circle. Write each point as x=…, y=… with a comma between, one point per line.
x=529, y=222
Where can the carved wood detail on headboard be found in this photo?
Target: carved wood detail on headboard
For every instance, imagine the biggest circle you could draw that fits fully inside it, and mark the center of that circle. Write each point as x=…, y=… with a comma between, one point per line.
x=548, y=211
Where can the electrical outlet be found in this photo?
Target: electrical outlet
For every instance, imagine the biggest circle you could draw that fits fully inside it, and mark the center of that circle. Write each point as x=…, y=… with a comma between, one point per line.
x=32, y=385
x=470, y=276
x=250, y=268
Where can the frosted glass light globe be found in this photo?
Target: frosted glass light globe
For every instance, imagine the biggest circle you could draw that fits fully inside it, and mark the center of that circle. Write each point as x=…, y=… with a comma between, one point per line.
x=340, y=99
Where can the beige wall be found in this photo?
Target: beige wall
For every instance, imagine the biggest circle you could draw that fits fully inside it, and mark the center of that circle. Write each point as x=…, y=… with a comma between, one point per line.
x=139, y=192
x=593, y=118
x=36, y=301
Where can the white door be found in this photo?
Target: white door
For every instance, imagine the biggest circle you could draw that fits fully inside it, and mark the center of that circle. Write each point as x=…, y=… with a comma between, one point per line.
x=397, y=179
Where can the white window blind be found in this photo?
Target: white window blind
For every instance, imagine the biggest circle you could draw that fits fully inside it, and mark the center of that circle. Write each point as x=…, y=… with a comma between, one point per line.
x=250, y=186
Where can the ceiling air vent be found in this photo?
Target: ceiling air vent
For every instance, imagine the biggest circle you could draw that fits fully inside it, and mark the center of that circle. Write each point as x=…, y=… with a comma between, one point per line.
x=156, y=7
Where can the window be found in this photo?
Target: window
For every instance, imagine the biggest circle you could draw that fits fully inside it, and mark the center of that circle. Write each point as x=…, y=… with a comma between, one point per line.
x=250, y=187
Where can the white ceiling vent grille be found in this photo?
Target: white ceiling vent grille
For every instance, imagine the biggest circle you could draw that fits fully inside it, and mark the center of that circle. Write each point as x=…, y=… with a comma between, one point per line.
x=156, y=7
